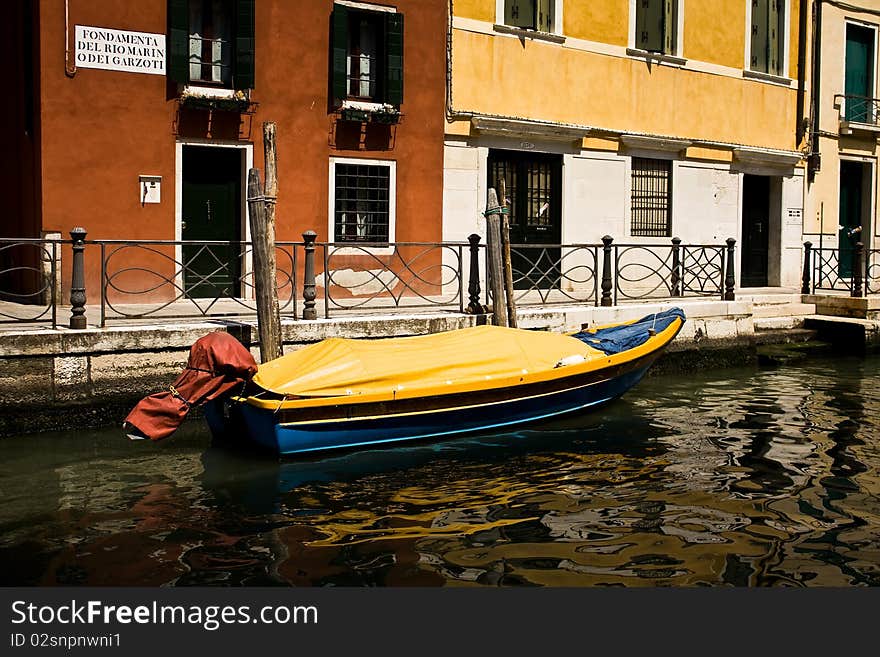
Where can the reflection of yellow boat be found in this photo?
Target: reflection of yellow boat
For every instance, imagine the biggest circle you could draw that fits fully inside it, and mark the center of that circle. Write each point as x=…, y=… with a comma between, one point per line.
x=349, y=393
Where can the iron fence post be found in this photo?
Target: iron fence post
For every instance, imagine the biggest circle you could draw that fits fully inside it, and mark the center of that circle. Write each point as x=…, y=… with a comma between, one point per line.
x=309, y=311
x=606, y=270
x=806, y=279
x=730, y=272
x=474, y=306
x=676, y=267
x=858, y=268
x=103, y=285
x=78, y=280
x=54, y=296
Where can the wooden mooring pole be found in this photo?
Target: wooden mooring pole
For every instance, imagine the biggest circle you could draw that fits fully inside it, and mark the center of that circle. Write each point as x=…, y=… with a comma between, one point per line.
x=261, y=208
x=496, y=269
x=506, y=263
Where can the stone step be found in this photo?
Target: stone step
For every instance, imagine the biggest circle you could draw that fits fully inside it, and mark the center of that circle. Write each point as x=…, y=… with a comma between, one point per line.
x=784, y=310
x=779, y=323
x=769, y=299
x=789, y=336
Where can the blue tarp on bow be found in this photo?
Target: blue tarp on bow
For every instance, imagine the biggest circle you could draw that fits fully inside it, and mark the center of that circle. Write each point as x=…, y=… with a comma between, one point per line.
x=616, y=339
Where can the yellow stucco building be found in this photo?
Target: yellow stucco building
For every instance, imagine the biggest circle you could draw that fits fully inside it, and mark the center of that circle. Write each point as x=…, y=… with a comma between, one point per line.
x=841, y=205
x=640, y=119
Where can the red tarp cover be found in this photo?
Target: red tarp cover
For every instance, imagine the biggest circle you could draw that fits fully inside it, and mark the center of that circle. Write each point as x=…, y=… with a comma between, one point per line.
x=217, y=364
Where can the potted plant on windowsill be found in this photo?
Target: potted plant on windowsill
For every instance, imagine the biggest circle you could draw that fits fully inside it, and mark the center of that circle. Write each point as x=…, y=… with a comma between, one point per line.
x=387, y=115
x=237, y=102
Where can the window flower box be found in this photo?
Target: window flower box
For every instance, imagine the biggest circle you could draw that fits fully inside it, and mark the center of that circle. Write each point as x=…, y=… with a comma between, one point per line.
x=361, y=112
x=239, y=101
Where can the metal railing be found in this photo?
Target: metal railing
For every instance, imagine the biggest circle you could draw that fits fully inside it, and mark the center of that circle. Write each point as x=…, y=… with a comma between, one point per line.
x=170, y=280
x=555, y=273
x=203, y=279
x=872, y=272
x=853, y=269
x=29, y=280
x=678, y=270
x=359, y=276
x=858, y=109
x=573, y=273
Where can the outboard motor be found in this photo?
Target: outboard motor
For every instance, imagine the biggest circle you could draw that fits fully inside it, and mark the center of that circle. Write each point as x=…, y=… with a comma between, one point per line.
x=217, y=365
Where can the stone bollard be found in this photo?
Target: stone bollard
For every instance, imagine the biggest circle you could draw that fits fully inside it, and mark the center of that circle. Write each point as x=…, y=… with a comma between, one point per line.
x=309, y=294
x=807, y=279
x=474, y=306
x=78, y=280
x=730, y=272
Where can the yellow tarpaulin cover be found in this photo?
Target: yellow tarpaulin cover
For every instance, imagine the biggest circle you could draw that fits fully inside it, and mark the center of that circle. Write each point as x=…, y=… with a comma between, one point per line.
x=338, y=366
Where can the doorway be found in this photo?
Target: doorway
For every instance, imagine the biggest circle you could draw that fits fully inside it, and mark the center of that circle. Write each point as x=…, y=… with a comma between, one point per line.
x=534, y=191
x=755, y=231
x=211, y=211
x=855, y=198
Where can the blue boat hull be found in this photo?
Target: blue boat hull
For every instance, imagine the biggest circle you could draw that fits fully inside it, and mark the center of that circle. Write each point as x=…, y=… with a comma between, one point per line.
x=285, y=435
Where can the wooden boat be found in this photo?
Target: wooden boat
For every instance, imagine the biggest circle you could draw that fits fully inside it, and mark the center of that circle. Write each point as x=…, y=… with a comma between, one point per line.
x=343, y=393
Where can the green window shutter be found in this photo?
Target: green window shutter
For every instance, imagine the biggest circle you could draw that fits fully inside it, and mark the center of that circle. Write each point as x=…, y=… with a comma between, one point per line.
x=339, y=58
x=669, y=27
x=774, y=38
x=649, y=25
x=244, y=75
x=760, y=15
x=394, y=59
x=520, y=13
x=178, y=41
x=545, y=15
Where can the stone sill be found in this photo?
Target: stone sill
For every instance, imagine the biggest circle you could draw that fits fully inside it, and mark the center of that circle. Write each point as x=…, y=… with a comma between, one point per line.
x=659, y=57
x=767, y=77
x=529, y=34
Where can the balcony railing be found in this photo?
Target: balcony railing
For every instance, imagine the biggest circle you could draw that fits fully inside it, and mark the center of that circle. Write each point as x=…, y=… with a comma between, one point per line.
x=857, y=112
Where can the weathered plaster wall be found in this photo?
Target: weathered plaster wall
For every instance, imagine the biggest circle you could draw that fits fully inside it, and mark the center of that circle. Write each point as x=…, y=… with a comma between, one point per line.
x=108, y=127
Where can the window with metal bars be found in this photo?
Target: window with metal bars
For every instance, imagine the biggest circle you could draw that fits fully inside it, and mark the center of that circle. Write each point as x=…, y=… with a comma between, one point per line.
x=362, y=207
x=651, y=198
x=529, y=14
x=767, y=40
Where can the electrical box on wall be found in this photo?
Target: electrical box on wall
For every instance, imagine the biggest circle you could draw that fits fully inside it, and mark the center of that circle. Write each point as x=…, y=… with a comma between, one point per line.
x=150, y=189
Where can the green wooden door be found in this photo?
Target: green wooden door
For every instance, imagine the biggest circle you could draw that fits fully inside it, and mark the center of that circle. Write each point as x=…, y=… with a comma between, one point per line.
x=850, y=213
x=534, y=191
x=859, y=81
x=211, y=212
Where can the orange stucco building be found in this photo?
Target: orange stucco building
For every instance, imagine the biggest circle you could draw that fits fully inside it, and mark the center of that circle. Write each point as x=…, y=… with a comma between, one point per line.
x=139, y=121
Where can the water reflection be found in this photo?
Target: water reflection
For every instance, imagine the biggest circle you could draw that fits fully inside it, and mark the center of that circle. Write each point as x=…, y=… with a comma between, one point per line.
x=743, y=477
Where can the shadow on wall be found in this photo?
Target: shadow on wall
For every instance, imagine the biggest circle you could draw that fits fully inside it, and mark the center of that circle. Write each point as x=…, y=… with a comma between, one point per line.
x=361, y=136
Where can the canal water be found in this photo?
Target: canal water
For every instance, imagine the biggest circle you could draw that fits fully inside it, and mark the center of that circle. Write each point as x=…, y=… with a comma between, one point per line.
x=737, y=477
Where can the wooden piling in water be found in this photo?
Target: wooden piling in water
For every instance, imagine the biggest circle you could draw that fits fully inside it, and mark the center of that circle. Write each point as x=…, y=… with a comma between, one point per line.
x=265, y=290
x=496, y=269
x=506, y=262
